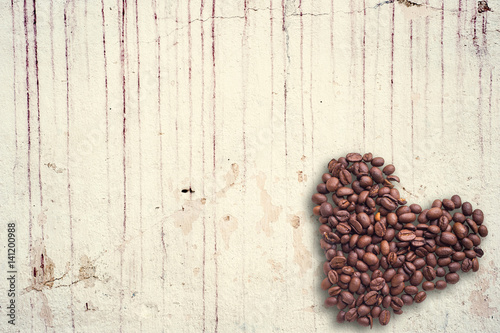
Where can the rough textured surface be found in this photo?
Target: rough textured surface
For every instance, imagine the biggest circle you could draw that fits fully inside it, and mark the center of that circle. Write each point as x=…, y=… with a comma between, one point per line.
x=161, y=155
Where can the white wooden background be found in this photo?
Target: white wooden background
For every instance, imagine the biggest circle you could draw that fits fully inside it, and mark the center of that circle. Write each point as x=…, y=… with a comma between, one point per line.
x=111, y=108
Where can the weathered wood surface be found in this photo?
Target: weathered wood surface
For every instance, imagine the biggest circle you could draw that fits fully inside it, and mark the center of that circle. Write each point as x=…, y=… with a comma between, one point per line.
x=113, y=109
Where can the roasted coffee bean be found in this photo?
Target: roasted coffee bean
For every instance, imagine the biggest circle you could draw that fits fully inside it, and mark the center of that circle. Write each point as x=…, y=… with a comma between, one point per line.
x=351, y=315
x=353, y=157
x=429, y=273
x=377, y=284
x=370, y=259
x=479, y=252
x=440, y=272
x=338, y=262
x=428, y=285
x=344, y=191
x=354, y=284
x=483, y=231
x=321, y=188
x=344, y=278
x=375, y=311
x=475, y=239
x=475, y=265
x=384, y=318
x=396, y=303
x=457, y=201
x=397, y=290
x=319, y=198
x=330, y=302
x=440, y=285
x=454, y=267
x=407, y=299
x=444, y=251
x=334, y=291
x=448, y=204
x=407, y=218
x=380, y=229
x=371, y=298
x=341, y=317
x=346, y=297
x=326, y=284
x=434, y=213
x=397, y=280
x=452, y=278
x=409, y=268
x=467, y=209
x=406, y=235
x=416, y=278
x=448, y=238
x=458, y=217
x=442, y=262
x=388, y=204
x=411, y=290
x=467, y=243
x=420, y=297
x=478, y=216
x=333, y=277
x=470, y=254
x=364, y=241
x=361, y=266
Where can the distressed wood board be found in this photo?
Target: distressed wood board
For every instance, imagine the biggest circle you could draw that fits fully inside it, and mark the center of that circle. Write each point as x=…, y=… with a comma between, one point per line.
x=160, y=156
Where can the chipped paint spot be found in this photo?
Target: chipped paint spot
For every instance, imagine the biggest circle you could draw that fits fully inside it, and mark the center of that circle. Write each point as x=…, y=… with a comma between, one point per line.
x=87, y=272
x=277, y=269
x=294, y=221
x=301, y=176
x=54, y=167
x=189, y=212
x=228, y=225
x=301, y=255
x=271, y=212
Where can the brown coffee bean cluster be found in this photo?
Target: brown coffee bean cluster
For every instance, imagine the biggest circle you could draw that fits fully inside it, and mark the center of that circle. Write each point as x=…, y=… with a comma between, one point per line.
x=382, y=253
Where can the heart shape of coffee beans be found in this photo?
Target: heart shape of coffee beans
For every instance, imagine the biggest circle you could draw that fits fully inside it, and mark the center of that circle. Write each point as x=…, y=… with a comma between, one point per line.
x=382, y=253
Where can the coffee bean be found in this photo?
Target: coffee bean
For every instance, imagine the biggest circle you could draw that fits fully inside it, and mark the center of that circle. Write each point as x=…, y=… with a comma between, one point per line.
x=330, y=302
x=326, y=284
x=483, y=231
x=397, y=280
x=396, y=303
x=354, y=284
x=429, y=273
x=448, y=204
x=370, y=259
x=338, y=262
x=375, y=312
x=434, y=213
x=411, y=290
x=428, y=285
x=444, y=251
x=333, y=277
x=416, y=278
x=457, y=201
x=407, y=299
x=341, y=317
x=377, y=284
x=475, y=265
x=420, y=297
x=380, y=229
x=478, y=216
x=467, y=209
x=407, y=218
x=452, y=278
x=353, y=157
x=351, y=315
x=467, y=243
x=344, y=191
x=406, y=235
x=389, y=169
x=440, y=272
x=448, y=238
x=440, y=285
x=475, y=239
x=384, y=318
x=319, y=198
x=371, y=298
x=333, y=184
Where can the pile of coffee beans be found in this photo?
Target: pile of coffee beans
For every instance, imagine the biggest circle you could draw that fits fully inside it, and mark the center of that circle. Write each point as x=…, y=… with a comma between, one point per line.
x=382, y=253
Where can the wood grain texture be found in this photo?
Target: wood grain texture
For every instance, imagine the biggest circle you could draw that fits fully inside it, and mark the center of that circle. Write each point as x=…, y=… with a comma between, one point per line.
x=158, y=157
